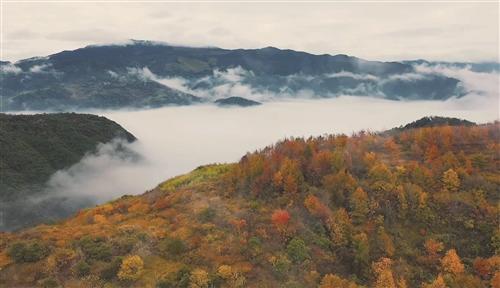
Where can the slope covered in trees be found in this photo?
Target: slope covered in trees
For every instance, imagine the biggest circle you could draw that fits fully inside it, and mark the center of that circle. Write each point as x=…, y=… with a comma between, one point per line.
x=33, y=147
x=417, y=208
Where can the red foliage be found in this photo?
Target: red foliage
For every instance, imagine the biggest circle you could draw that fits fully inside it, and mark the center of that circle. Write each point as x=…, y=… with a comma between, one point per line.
x=280, y=218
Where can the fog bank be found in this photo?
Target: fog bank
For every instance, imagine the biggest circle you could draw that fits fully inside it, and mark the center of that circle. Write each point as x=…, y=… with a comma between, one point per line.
x=175, y=140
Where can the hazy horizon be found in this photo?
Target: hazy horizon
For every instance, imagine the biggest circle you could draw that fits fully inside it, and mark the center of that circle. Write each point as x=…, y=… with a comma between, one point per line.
x=370, y=30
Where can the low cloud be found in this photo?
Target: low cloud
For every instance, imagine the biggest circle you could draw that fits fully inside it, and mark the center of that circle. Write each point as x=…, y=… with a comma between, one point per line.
x=10, y=69
x=175, y=140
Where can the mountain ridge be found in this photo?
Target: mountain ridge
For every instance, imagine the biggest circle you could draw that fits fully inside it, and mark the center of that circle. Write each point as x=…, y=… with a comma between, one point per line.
x=114, y=76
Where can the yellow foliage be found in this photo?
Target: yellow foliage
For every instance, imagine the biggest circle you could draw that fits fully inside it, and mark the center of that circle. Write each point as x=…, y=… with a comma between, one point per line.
x=334, y=281
x=100, y=219
x=139, y=208
x=451, y=263
x=131, y=268
x=225, y=271
x=451, y=182
x=438, y=283
x=199, y=279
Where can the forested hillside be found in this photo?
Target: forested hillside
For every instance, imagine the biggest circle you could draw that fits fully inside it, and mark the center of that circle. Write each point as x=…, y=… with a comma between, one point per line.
x=414, y=208
x=33, y=147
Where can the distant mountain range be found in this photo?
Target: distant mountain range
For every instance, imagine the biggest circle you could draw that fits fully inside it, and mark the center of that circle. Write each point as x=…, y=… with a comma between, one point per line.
x=149, y=74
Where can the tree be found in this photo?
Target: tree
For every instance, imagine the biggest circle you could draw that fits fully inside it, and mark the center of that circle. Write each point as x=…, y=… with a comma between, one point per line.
x=316, y=208
x=451, y=182
x=280, y=219
x=451, y=263
x=359, y=205
x=334, y=281
x=383, y=274
x=433, y=248
x=131, y=268
x=495, y=280
x=292, y=176
x=438, y=283
x=28, y=251
x=482, y=266
x=225, y=272
x=297, y=250
x=171, y=247
x=362, y=251
x=340, y=227
x=199, y=279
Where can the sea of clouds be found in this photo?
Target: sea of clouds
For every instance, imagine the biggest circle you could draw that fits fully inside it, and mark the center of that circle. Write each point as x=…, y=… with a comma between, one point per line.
x=176, y=140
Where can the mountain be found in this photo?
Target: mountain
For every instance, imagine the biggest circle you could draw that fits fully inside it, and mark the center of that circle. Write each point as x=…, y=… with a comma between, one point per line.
x=150, y=74
x=236, y=101
x=434, y=121
x=34, y=147
x=417, y=208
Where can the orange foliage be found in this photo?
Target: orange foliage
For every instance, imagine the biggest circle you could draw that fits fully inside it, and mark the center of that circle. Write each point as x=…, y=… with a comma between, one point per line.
x=451, y=263
x=316, y=208
x=280, y=219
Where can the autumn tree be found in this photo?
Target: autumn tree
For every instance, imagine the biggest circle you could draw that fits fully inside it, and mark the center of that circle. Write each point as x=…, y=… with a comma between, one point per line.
x=432, y=249
x=438, y=283
x=362, y=252
x=316, y=208
x=383, y=274
x=339, y=185
x=451, y=182
x=280, y=219
x=340, y=227
x=199, y=279
x=290, y=175
x=334, y=281
x=495, y=280
x=359, y=205
x=451, y=263
x=482, y=267
x=131, y=268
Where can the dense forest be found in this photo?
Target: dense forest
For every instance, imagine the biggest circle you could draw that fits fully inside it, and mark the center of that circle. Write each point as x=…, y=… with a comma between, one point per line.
x=405, y=208
x=34, y=147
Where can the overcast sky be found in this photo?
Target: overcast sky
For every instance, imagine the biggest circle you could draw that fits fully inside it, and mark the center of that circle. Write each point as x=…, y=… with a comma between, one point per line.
x=375, y=31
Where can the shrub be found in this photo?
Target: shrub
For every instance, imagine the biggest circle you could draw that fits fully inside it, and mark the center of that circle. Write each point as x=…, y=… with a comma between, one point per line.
x=199, y=279
x=208, y=214
x=95, y=249
x=297, y=250
x=28, y=252
x=225, y=271
x=131, y=268
x=281, y=263
x=123, y=246
x=49, y=283
x=255, y=244
x=111, y=270
x=82, y=268
x=176, y=280
x=172, y=246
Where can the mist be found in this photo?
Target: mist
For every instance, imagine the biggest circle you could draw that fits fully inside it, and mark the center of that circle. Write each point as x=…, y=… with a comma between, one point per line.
x=176, y=140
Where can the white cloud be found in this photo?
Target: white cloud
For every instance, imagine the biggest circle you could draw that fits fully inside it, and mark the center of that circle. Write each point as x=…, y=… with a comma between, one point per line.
x=10, y=68
x=352, y=75
x=39, y=68
x=175, y=140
